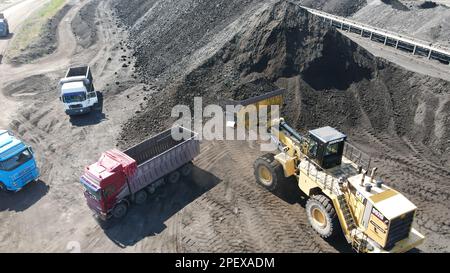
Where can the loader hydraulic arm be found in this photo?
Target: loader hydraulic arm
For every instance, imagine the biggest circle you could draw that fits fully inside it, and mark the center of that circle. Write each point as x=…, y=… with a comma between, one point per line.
x=289, y=140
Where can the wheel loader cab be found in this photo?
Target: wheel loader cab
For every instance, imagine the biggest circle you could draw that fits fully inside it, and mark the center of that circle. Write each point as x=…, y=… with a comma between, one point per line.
x=325, y=146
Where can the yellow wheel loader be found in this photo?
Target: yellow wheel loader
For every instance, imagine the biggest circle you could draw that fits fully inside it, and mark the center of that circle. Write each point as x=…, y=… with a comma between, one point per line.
x=343, y=196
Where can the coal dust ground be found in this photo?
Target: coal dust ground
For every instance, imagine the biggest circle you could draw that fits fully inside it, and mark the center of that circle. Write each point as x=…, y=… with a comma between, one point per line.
x=148, y=56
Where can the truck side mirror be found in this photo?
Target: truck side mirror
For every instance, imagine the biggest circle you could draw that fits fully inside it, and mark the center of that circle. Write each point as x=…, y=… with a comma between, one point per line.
x=60, y=98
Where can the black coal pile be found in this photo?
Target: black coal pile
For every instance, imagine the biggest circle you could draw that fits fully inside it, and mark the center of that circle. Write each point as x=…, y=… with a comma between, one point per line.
x=84, y=25
x=330, y=81
x=165, y=32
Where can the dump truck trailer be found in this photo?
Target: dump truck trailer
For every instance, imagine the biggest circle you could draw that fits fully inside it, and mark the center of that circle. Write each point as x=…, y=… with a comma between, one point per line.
x=119, y=179
x=77, y=91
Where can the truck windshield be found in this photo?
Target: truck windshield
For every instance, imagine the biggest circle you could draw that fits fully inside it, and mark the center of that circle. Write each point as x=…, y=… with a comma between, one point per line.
x=74, y=97
x=15, y=161
x=92, y=192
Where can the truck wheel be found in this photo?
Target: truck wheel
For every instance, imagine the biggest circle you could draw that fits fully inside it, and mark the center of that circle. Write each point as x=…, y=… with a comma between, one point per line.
x=151, y=189
x=322, y=216
x=174, y=177
x=268, y=172
x=120, y=210
x=186, y=170
x=140, y=197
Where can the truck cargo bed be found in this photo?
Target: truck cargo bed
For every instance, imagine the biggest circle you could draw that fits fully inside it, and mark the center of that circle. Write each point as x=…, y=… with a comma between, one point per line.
x=77, y=71
x=159, y=156
x=152, y=147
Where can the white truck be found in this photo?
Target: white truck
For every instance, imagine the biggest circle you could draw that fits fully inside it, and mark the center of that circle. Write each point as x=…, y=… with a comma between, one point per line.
x=77, y=91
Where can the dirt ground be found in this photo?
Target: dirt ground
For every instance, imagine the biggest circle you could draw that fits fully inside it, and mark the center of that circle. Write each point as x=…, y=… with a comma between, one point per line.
x=221, y=209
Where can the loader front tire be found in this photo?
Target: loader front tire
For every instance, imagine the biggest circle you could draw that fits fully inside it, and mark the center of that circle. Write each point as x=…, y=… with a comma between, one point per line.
x=268, y=172
x=322, y=215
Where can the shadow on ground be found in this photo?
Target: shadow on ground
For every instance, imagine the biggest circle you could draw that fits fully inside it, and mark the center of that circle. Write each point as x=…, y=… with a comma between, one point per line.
x=290, y=193
x=8, y=37
x=94, y=117
x=149, y=219
x=25, y=198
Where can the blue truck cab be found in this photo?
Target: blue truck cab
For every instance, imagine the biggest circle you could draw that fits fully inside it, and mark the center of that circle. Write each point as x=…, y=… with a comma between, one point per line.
x=4, y=27
x=17, y=163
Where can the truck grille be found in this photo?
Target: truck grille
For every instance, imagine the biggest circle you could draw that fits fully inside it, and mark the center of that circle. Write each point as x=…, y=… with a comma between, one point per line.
x=75, y=106
x=399, y=229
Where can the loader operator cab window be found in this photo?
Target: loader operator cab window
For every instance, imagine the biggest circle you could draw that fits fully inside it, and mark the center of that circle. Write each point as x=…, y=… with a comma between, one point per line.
x=312, y=150
x=328, y=148
x=332, y=149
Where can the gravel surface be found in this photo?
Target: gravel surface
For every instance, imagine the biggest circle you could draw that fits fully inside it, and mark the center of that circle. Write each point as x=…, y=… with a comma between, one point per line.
x=147, y=56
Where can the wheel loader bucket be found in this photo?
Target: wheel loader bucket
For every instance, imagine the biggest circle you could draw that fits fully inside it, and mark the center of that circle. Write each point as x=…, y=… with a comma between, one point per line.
x=245, y=109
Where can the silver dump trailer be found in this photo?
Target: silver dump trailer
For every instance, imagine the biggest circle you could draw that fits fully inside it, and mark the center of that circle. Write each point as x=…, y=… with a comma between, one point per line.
x=119, y=179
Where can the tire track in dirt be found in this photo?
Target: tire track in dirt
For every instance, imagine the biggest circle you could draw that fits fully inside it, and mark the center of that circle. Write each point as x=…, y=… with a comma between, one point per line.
x=239, y=216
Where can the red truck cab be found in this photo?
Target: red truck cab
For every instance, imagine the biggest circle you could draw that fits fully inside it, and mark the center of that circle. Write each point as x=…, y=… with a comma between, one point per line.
x=105, y=181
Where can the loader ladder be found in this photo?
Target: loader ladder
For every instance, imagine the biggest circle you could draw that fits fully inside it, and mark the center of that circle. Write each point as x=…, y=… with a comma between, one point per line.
x=359, y=242
x=358, y=238
x=348, y=217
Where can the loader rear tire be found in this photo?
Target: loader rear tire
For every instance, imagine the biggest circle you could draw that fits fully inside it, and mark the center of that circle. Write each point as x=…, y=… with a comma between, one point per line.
x=268, y=172
x=322, y=215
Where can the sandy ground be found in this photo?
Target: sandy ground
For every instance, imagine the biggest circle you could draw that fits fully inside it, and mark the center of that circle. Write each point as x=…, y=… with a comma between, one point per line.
x=4, y=4
x=220, y=209
x=15, y=15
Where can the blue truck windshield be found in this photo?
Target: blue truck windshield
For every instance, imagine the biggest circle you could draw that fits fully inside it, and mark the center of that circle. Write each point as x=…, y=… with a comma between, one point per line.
x=91, y=191
x=15, y=161
x=74, y=97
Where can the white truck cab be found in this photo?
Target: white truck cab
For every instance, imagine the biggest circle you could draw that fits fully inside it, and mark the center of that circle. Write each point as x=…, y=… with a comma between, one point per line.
x=77, y=91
